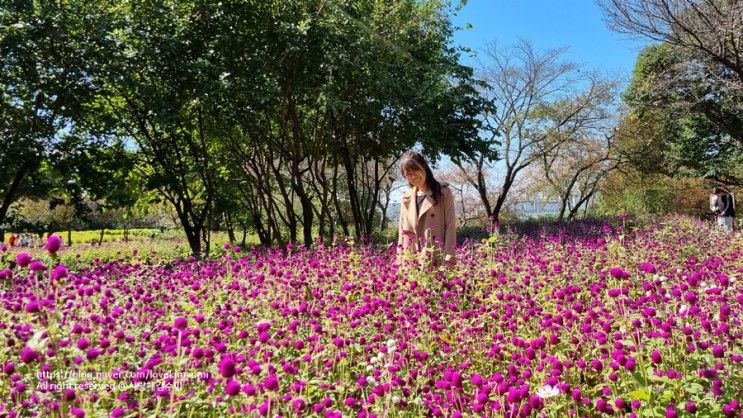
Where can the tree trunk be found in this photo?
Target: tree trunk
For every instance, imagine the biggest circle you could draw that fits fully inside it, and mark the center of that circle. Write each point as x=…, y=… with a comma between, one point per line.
x=193, y=235
x=12, y=190
x=372, y=202
x=193, y=232
x=208, y=230
x=230, y=227
x=563, y=206
x=480, y=184
x=100, y=239
x=384, y=207
x=353, y=194
x=482, y=188
x=337, y=203
x=483, y=192
x=263, y=235
x=501, y=199
x=306, y=203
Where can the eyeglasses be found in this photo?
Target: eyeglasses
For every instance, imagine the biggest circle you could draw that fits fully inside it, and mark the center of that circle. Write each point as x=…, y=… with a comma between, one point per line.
x=412, y=173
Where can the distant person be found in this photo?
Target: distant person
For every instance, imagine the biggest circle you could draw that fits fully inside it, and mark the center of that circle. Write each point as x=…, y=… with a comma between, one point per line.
x=722, y=204
x=12, y=240
x=427, y=220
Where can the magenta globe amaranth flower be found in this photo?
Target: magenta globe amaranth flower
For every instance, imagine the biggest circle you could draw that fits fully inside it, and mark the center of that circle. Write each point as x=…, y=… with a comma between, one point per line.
x=83, y=343
x=68, y=395
x=36, y=266
x=718, y=351
x=249, y=390
x=232, y=388
x=298, y=404
x=93, y=353
x=647, y=267
x=9, y=368
x=59, y=272
x=23, y=259
x=227, y=367
x=618, y=273
x=181, y=323
x=28, y=355
x=671, y=412
x=731, y=408
x=53, y=243
x=32, y=306
x=271, y=382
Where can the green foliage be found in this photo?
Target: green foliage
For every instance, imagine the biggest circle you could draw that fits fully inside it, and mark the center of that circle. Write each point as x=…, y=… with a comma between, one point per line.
x=43, y=86
x=632, y=191
x=135, y=103
x=685, y=116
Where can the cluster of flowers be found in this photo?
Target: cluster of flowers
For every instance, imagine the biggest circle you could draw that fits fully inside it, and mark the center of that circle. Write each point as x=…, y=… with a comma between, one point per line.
x=646, y=323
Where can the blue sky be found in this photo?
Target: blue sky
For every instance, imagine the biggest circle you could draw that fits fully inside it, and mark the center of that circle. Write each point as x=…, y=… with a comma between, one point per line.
x=575, y=24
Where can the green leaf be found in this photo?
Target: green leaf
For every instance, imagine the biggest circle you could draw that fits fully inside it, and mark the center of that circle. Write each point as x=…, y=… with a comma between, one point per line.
x=662, y=379
x=666, y=397
x=694, y=388
x=446, y=338
x=640, y=394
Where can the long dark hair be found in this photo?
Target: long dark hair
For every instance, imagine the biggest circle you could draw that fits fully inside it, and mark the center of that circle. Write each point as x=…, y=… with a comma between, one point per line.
x=413, y=160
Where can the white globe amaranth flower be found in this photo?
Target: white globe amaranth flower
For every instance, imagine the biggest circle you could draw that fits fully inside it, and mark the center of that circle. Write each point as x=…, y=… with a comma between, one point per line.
x=547, y=391
x=37, y=343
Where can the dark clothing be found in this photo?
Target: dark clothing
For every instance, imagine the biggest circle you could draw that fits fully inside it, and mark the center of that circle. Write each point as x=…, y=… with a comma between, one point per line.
x=725, y=205
x=420, y=198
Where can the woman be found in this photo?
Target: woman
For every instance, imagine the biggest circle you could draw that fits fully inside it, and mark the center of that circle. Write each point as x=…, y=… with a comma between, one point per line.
x=722, y=203
x=427, y=221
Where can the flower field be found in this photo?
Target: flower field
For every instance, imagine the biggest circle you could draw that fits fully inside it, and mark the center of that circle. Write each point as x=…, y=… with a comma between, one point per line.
x=585, y=322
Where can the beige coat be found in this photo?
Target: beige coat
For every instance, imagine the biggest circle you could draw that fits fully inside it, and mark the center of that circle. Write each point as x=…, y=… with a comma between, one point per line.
x=434, y=227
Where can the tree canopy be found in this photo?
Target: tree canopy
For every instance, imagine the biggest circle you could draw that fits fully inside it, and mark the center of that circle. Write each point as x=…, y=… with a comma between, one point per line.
x=293, y=112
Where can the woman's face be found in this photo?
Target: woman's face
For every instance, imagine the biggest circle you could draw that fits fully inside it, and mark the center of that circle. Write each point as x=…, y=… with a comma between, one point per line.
x=416, y=177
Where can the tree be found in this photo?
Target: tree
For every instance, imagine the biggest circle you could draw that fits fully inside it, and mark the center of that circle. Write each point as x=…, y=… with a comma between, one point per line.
x=628, y=190
x=703, y=42
x=672, y=99
x=524, y=82
x=88, y=173
x=298, y=117
x=44, y=85
x=577, y=152
x=351, y=86
x=469, y=207
x=574, y=173
x=159, y=87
